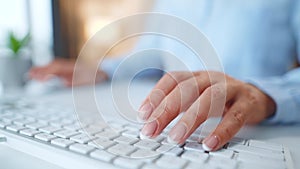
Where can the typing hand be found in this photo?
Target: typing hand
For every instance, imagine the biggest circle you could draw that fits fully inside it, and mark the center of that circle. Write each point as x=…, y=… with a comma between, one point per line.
x=64, y=69
x=198, y=95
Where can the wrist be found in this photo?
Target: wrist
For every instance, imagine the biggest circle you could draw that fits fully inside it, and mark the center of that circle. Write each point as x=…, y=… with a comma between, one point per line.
x=269, y=105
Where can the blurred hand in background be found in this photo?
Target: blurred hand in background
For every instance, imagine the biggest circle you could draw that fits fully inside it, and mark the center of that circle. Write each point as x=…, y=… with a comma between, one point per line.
x=64, y=69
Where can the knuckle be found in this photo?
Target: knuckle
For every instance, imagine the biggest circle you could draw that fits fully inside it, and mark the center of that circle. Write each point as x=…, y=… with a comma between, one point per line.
x=228, y=133
x=171, y=107
x=217, y=92
x=185, y=85
x=251, y=96
x=252, y=99
x=200, y=116
x=180, y=86
x=239, y=117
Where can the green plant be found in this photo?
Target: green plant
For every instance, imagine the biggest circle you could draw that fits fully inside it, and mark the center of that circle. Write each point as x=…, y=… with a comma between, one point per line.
x=15, y=44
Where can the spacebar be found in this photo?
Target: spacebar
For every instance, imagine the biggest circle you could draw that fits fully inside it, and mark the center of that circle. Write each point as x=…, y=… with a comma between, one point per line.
x=60, y=157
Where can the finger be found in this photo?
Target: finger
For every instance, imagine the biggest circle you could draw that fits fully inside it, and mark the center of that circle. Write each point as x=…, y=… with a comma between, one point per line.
x=232, y=122
x=182, y=96
x=35, y=73
x=164, y=86
x=211, y=101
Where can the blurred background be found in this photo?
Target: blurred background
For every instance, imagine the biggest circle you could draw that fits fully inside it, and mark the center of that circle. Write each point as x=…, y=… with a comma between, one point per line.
x=33, y=32
x=61, y=27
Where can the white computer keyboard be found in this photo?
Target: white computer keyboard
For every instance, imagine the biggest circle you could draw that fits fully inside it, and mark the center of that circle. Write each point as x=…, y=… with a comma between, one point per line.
x=121, y=146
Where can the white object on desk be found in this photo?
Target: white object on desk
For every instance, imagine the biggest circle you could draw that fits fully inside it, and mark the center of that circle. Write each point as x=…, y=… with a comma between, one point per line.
x=60, y=156
x=34, y=87
x=13, y=159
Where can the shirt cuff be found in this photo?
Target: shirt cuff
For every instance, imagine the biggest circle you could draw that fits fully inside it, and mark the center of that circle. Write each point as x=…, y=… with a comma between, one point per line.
x=286, y=106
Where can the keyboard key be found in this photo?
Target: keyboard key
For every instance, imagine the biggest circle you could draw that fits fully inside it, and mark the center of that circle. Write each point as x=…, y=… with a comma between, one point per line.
x=128, y=163
x=121, y=149
x=156, y=139
x=2, y=138
x=91, y=130
x=56, y=123
x=195, y=146
x=100, y=126
x=194, y=165
x=132, y=128
x=126, y=140
x=194, y=138
x=81, y=148
x=238, y=140
x=29, y=132
x=114, y=130
x=262, y=164
x=171, y=162
x=255, y=150
x=4, y=124
x=115, y=125
x=102, y=155
x=244, y=156
x=174, y=151
x=102, y=143
x=35, y=125
x=73, y=127
x=166, y=142
x=150, y=166
x=23, y=122
x=143, y=153
x=11, y=119
x=82, y=138
x=223, y=153
x=108, y=134
x=264, y=145
x=135, y=134
x=169, y=149
x=147, y=144
x=65, y=133
x=164, y=148
x=50, y=129
x=221, y=162
x=195, y=156
x=45, y=137
x=61, y=142
x=15, y=128
x=43, y=121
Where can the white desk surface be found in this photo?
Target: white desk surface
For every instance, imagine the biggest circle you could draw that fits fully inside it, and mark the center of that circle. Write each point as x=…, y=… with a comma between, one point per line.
x=286, y=135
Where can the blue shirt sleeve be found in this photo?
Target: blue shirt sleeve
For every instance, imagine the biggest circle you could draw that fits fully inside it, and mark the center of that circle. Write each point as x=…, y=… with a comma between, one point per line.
x=285, y=90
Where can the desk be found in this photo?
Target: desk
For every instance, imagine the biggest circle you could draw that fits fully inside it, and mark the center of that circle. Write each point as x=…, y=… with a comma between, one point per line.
x=286, y=135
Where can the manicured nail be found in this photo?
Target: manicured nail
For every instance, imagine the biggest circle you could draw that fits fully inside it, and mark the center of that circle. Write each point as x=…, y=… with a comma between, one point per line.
x=144, y=112
x=210, y=143
x=177, y=133
x=148, y=130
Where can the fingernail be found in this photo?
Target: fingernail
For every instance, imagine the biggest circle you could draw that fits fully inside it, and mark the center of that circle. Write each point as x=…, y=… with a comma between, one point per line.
x=148, y=130
x=210, y=143
x=144, y=112
x=177, y=133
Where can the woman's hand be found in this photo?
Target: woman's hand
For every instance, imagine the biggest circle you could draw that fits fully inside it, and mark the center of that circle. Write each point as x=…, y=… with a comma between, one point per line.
x=200, y=94
x=64, y=69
